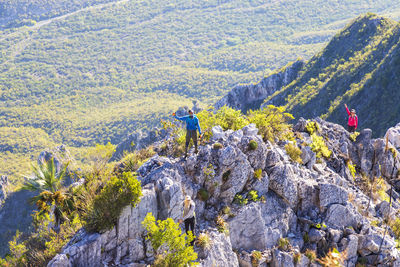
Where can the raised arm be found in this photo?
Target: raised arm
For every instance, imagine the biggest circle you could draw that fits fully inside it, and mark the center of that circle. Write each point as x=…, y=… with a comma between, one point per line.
x=180, y=118
x=347, y=109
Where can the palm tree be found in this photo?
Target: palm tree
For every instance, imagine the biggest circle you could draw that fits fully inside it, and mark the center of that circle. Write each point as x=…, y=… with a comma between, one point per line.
x=51, y=198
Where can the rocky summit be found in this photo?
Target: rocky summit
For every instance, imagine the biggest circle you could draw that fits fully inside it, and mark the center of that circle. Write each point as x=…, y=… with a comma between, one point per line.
x=320, y=204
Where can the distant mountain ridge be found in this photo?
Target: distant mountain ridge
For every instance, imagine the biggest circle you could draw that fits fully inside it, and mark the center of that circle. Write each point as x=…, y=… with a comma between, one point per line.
x=359, y=66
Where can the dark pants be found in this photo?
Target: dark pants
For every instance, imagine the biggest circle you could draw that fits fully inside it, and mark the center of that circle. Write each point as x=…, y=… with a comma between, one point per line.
x=191, y=134
x=189, y=223
x=351, y=129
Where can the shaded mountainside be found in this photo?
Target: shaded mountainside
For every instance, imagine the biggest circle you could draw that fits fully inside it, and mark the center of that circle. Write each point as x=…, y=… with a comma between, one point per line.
x=359, y=67
x=315, y=205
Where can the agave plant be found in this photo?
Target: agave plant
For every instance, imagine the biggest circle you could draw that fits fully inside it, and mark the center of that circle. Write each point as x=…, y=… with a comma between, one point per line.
x=51, y=198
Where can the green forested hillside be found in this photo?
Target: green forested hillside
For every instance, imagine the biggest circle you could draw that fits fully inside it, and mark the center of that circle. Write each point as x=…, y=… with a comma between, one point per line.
x=95, y=75
x=360, y=67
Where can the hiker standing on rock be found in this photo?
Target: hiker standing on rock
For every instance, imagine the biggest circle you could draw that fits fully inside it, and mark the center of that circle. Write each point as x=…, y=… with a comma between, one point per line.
x=188, y=216
x=192, y=125
x=353, y=120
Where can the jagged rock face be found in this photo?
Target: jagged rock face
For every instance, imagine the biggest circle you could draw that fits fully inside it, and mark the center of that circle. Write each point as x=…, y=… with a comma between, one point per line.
x=245, y=97
x=3, y=188
x=297, y=198
x=117, y=247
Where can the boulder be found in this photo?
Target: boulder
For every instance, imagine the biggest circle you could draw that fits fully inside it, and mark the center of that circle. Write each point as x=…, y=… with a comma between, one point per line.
x=393, y=135
x=281, y=259
x=315, y=235
x=256, y=157
x=331, y=194
x=308, y=156
x=339, y=217
x=247, y=229
x=220, y=252
x=283, y=181
x=218, y=133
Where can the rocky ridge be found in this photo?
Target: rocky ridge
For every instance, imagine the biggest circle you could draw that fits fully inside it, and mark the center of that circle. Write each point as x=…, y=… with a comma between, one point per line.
x=316, y=205
x=251, y=96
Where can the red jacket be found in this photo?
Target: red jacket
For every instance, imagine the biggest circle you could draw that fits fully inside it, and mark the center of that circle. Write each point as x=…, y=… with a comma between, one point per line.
x=353, y=121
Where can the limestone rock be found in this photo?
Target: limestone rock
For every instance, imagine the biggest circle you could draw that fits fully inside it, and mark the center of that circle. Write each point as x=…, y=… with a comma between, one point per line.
x=339, y=216
x=331, y=194
x=282, y=181
x=220, y=253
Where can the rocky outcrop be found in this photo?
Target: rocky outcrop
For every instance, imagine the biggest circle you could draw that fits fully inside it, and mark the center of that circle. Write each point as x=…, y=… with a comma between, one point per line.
x=3, y=188
x=245, y=97
x=316, y=205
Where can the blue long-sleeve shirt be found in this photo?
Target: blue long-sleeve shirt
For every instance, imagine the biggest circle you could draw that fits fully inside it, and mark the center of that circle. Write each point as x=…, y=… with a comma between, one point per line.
x=191, y=123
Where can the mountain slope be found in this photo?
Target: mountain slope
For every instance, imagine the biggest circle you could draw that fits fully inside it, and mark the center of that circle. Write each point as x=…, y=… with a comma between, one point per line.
x=101, y=73
x=358, y=67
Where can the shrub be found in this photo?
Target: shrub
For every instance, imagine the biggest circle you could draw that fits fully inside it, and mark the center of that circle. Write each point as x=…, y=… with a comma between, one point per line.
x=108, y=205
x=217, y=146
x=296, y=257
x=312, y=127
x=272, y=122
x=319, y=147
x=395, y=225
x=332, y=258
x=227, y=211
x=284, y=244
x=258, y=174
x=171, y=247
x=352, y=169
x=252, y=195
x=131, y=162
x=294, y=152
x=253, y=145
x=311, y=255
x=255, y=257
x=353, y=136
x=225, y=176
x=239, y=199
x=306, y=237
x=203, y=240
x=222, y=226
x=203, y=194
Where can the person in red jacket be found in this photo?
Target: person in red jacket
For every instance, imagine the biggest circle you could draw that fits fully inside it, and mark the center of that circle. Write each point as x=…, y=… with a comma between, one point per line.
x=353, y=120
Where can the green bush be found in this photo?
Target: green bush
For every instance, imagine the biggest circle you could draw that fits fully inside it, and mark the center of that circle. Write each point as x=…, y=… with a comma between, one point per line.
x=203, y=194
x=284, y=244
x=252, y=195
x=203, y=241
x=352, y=169
x=319, y=147
x=108, y=205
x=226, y=175
x=294, y=152
x=255, y=257
x=312, y=127
x=217, y=146
x=253, y=145
x=353, y=136
x=222, y=226
x=258, y=174
x=272, y=122
x=171, y=247
x=133, y=161
x=239, y=199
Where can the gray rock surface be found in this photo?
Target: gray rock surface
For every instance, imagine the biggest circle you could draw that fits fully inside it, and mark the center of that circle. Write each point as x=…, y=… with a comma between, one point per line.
x=246, y=97
x=296, y=198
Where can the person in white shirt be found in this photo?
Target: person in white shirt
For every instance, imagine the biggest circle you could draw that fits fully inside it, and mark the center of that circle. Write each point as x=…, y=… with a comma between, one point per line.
x=188, y=215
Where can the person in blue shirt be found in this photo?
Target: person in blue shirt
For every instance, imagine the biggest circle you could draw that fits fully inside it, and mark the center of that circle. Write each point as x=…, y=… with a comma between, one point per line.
x=192, y=126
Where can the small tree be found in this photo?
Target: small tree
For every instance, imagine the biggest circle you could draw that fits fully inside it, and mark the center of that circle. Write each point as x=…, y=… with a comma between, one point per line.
x=171, y=247
x=51, y=198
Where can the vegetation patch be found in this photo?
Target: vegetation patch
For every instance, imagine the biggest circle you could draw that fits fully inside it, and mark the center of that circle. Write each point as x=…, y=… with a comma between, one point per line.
x=253, y=145
x=171, y=247
x=312, y=127
x=294, y=152
x=217, y=146
x=107, y=206
x=319, y=147
x=258, y=174
x=203, y=194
